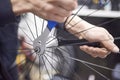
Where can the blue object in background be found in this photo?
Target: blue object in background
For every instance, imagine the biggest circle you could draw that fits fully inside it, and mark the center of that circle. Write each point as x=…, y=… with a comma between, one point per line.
x=51, y=24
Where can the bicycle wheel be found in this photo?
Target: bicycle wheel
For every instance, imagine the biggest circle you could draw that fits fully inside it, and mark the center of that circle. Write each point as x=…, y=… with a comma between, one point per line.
x=55, y=63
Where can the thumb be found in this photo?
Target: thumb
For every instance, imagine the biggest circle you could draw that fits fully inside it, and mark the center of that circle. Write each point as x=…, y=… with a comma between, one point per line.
x=110, y=46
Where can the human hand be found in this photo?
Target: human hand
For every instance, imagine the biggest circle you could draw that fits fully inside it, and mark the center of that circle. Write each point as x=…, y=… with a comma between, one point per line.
x=102, y=36
x=56, y=10
x=93, y=34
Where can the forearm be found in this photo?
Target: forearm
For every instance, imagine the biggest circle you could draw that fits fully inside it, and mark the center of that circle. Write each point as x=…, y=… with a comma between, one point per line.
x=77, y=25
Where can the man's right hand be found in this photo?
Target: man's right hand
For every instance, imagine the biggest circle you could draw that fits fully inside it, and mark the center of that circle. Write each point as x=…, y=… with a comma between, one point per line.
x=56, y=10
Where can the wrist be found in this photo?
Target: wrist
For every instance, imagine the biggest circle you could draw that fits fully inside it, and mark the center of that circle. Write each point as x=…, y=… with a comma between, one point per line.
x=78, y=23
x=77, y=26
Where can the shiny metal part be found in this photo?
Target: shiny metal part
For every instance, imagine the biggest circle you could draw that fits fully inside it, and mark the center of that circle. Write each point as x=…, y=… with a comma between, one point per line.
x=46, y=40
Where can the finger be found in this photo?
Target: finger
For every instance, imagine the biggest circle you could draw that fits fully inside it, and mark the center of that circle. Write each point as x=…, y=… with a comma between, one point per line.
x=109, y=36
x=68, y=4
x=101, y=52
x=55, y=9
x=61, y=12
x=55, y=17
x=110, y=46
x=95, y=52
x=87, y=50
x=49, y=14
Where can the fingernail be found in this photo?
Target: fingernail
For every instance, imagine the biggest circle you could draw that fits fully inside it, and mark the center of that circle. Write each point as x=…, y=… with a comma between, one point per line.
x=115, y=49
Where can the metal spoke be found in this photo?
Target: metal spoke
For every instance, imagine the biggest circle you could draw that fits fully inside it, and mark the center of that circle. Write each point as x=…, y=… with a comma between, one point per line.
x=96, y=71
x=35, y=25
x=26, y=49
x=86, y=62
x=29, y=28
x=50, y=40
x=26, y=34
x=71, y=69
x=109, y=21
x=46, y=67
x=28, y=43
x=30, y=67
x=40, y=74
x=16, y=65
x=97, y=9
x=88, y=15
x=51, y=56
x=43, y=23
x=77, y=11
x=51, y=64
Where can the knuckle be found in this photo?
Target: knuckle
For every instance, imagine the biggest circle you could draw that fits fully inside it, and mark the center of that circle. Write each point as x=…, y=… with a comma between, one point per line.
x=57, y=18
x=74, y=5
x=61, y=20
x=104, y=56
x=49, y=8
x=48, y=17
x=67, y=12
x=95, y=56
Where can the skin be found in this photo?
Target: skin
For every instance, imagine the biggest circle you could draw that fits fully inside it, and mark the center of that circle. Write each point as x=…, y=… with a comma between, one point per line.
x=93, y=34
x=56, y=10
